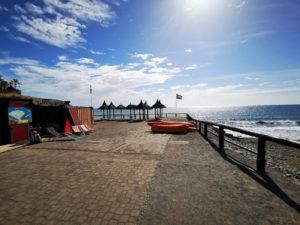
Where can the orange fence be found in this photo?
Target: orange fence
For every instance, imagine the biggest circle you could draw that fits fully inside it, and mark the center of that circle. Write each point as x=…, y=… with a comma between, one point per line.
x=85, y=115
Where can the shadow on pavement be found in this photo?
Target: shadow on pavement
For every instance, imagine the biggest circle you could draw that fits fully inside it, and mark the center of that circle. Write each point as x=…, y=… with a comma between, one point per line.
x=262, y=178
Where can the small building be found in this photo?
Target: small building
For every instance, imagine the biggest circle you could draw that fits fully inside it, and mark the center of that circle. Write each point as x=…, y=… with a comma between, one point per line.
x=19, y=114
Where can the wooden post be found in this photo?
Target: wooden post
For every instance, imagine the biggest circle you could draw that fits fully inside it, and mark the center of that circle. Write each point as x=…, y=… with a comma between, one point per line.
x=221, y=138
x=205, y=130
x=199, y=127
x=261, y=153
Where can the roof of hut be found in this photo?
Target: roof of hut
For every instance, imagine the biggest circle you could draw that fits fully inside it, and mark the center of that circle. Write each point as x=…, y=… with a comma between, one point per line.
x=35, y=100
x=140, y=105
x=111, y=106
x=121, y=107
x=146, y=105
x=158, y=105
x=103, y=106
x=161, y=105
x=130, y=106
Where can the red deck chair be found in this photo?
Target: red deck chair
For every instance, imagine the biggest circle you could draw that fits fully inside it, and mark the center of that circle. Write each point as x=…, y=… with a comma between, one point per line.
x=77, y=130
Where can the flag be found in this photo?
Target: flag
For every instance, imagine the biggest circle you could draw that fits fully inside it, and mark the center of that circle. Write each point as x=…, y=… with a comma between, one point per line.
x=91, y=89
x=178, y=96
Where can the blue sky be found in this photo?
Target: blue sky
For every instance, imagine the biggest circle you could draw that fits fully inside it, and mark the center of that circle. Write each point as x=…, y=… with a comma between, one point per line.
x=212, y=52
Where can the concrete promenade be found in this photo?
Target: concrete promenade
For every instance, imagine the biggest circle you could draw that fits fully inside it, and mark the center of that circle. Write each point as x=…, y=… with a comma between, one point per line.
x=124, y=174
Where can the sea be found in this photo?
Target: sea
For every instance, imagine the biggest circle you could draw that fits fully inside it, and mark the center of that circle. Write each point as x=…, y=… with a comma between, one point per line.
x=282, y=121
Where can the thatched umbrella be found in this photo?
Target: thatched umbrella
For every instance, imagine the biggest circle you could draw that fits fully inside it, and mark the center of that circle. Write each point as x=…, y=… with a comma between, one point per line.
x=121, y=107
x=155, y=107
x=140, y=107
x=147, y=107
x=130, y=107
x=113, y=107
x=161, y=106
x=103, y=107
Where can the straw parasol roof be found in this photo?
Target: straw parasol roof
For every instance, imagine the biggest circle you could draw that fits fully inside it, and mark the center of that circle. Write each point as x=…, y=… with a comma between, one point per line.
x=140, y=105
x=103, y=106
x=130, y=106
x=111, y=106
x=121, y=107
x=146, y=105
x=160, y=105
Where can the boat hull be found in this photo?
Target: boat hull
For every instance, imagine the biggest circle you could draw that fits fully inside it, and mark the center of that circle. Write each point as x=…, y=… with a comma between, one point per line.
x=175, y=129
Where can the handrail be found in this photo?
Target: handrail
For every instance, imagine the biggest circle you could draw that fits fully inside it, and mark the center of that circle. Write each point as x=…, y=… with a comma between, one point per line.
x=261, y=145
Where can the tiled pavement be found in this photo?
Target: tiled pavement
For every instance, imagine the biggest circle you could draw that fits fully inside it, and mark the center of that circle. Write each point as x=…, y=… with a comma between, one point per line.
x=99, y=179
x=124, y=174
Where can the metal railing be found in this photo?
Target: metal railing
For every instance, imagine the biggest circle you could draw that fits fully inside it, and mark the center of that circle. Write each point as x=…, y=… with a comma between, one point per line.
x=202, y=126
x=137, y=116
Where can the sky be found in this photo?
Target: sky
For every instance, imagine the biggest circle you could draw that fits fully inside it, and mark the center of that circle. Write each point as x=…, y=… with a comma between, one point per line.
x=212, y=52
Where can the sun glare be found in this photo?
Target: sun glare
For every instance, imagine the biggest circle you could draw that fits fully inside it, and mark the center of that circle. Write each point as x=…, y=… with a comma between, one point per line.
x=199, y=4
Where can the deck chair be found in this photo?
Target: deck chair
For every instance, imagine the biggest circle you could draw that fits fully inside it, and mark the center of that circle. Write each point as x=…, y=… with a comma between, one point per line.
x=89, y=128
x=84, y=129
x=52, y=131
x=77, y=130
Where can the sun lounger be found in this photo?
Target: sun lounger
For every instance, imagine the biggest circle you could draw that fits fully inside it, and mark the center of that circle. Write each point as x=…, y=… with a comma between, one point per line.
x=89, y=128
x=52, y=131
x=84, y=129
x=77, y=130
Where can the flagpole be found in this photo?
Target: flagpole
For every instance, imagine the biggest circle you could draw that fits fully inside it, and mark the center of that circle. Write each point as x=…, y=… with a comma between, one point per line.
x=91, y=95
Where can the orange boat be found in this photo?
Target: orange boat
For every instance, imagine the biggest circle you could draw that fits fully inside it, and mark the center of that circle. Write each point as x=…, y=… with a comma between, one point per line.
x=189, y=124
x=172, y=128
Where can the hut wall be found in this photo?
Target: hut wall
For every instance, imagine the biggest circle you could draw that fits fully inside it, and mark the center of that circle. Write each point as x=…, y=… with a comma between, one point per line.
x=85, y=115
x=4, y=128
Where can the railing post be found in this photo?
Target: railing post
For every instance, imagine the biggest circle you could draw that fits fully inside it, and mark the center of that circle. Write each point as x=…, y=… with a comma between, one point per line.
x=205, y=130
x=221, y=138
x=199, y=127
x=261, y=153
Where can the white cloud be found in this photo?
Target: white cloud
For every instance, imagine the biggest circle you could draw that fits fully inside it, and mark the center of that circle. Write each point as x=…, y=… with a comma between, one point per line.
x=4, y=28
x=21, y=61
x=111, y=49
x=19, y=9
x=84, y=10
x=188, y=50
x=62, y=57
x=3, y=8
x=264, y=84
x=188, y=86
x=169, y=64
x=33, y=8
x=61, y=32
x=60, y=23
x=252, y=78
x=142, y=56
x=96, y=52
x=240, y=5
x=112, y=81
x=86, y=61
x=155, y=61
x=192, y=67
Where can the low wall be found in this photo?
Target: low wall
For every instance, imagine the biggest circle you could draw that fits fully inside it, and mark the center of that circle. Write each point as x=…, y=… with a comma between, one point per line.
x=85, y=115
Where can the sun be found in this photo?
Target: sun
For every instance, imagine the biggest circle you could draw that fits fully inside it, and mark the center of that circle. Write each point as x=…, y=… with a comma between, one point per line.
x=199, y=4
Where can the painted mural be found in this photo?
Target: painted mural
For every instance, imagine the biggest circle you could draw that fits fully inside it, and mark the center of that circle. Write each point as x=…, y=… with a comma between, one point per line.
x=19, y=115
